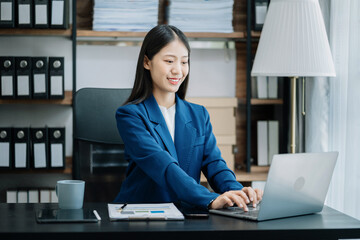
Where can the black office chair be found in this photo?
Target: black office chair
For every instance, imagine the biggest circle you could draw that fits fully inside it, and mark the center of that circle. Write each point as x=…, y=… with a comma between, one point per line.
x=98, y=147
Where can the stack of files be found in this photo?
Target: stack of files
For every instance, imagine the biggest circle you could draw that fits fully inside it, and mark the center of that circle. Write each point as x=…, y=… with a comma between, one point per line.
x=267, y=141
x=125, y=15
x=201, y=15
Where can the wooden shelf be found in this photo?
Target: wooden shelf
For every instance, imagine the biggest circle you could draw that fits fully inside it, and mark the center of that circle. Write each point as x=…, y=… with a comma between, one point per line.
x=67, y=170
x=91, y=33
x=258, y=101
x=35, y=32
x=233, y=35
x=255, y=34
x=66, y=101
x=258, y=173
x=116, y=34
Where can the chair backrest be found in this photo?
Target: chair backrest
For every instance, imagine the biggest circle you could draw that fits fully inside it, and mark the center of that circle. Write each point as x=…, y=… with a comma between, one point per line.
x=98, y=147
x=94, y=110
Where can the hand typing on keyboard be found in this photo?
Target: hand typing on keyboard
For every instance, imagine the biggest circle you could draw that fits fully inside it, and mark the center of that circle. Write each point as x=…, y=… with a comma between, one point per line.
x=239, y=198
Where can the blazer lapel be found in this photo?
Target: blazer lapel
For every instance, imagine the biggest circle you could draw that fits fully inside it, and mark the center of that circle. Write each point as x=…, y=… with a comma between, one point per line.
x=185, y=134
x=156, y=116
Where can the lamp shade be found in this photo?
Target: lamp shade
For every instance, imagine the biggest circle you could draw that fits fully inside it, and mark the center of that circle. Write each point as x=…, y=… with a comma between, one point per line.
x=293, y=41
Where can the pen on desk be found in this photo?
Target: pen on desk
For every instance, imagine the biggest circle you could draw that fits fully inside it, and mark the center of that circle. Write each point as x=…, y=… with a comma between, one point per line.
x=123, y=206
x=97, y=215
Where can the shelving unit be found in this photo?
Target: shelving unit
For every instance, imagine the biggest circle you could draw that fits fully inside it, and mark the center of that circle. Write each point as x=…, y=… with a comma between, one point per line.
x=257, y=109
x=36, y=32
x=66, y=101
x=202, y=35
x=36, y=178
x=258, y=101
x=67, y=170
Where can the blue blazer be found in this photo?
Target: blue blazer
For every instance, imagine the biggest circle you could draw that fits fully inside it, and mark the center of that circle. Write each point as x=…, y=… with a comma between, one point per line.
x=163, y=171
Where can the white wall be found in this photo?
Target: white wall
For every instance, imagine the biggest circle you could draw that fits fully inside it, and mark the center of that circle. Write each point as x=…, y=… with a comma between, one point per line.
x=212, y=74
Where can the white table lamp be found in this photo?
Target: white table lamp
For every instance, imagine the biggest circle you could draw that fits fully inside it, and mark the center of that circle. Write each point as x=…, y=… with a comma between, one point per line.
x=293, y=44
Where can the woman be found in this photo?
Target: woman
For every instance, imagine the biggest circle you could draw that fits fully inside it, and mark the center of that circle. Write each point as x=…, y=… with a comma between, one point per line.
x=169, y=141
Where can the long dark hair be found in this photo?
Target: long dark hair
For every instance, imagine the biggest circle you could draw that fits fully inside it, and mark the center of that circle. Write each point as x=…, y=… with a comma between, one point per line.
x=154, y=41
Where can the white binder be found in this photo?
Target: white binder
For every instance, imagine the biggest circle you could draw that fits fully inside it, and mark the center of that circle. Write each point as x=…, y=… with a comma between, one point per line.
x=56, y=85
x=5, y=147
x=40, y=155
x=7, y=86
x=24, y=13
x=6, y=11
x=21, y=147
x=5, y=154
x=22, y=196
x=57, y=12
x=11, y=196
x=33, y=196
x=262, y=143
x=23, y=85
x=41, y=14
x=44, y=195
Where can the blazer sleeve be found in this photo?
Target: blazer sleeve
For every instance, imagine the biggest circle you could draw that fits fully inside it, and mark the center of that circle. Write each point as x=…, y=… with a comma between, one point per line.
x=156, y=162
x=214, y=167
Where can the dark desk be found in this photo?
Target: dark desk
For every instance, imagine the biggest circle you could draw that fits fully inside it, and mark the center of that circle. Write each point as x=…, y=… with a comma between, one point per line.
x=18, y=221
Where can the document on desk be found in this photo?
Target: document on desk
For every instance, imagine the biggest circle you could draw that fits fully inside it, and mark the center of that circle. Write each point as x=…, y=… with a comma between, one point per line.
x=151, y=211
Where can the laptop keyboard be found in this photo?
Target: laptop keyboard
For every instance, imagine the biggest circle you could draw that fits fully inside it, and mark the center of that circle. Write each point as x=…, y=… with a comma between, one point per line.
x=253, y=212
x=237, y=212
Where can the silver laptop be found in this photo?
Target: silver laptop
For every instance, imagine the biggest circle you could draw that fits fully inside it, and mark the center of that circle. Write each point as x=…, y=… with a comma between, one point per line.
x=297, y=184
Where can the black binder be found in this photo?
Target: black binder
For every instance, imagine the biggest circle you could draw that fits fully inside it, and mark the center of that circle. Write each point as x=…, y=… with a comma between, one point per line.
x=56, y=77
x=7, y=77
x=56, y=147
x=23, y=83
x=5, y=147
x=40, y=78
x=7, y=13
x=21, y=147
x=39, y=148
x=59, y=14
x=25, y=13
x=41, y=13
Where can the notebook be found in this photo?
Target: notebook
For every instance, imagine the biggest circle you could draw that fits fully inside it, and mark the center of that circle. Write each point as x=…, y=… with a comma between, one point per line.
x=297, y=184
x=148, y=211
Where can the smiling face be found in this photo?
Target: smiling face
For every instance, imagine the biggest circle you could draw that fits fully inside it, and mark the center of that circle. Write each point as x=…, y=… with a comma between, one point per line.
x=168, y=69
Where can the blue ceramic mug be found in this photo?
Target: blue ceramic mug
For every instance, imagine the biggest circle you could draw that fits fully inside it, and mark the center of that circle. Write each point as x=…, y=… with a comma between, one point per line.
x=70, y=194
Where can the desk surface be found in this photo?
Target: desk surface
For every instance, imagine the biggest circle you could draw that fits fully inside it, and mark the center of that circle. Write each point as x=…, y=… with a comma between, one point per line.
x=18, y=221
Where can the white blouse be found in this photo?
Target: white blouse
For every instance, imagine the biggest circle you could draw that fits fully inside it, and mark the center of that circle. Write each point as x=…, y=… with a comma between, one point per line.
x=169, y=115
